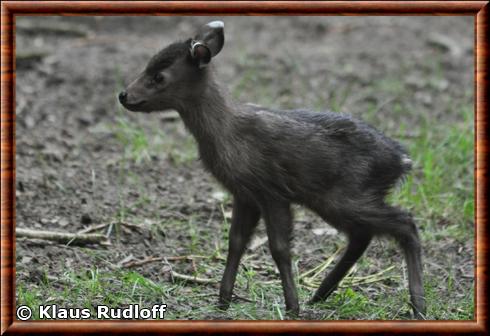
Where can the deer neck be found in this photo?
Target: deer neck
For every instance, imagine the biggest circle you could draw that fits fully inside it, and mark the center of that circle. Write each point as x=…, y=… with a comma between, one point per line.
x=209, y=117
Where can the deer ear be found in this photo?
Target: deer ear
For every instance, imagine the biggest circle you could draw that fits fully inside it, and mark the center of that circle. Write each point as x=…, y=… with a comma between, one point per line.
x=208, y=42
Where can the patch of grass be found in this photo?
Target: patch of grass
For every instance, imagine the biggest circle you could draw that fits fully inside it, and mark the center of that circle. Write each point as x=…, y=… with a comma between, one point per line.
x=133, y=138
x=449, y=309
x=347, y=303
x=257, y=300
x=194, y=236
x=90, y=288
x=440, y=187
x=180, y=151
x=31, y=297
x=141, y=143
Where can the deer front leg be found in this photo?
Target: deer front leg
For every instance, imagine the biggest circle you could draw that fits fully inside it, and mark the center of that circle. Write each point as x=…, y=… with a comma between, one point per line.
x=245, y=217
x=278, y=220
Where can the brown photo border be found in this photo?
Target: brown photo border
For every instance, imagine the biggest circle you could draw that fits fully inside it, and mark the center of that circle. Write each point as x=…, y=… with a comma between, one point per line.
x=9, y=9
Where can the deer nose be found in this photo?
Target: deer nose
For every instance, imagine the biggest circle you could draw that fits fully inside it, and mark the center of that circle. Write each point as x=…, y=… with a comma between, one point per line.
x=122, y=97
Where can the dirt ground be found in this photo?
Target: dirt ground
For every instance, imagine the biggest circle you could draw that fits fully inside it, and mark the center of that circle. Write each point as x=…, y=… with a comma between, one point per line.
x=82, y=160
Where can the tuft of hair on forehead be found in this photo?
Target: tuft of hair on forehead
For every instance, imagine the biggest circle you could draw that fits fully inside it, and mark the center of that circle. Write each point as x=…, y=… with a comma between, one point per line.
x=167, y=56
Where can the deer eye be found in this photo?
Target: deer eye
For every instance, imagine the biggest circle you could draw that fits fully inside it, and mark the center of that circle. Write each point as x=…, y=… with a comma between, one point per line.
x=158, y=78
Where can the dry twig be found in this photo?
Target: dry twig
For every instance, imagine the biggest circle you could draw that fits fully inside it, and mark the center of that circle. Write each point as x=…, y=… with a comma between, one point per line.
x=151, y=259
x=62, y=237
x=195, y=279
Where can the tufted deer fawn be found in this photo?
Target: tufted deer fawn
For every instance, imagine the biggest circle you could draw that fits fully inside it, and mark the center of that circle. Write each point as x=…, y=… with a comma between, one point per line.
x=339, y=167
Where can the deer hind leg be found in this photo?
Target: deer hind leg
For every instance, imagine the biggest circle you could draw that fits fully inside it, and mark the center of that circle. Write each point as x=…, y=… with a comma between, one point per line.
x=361, y=223
x=342, y=217
x=400, y=225
x=358, y=243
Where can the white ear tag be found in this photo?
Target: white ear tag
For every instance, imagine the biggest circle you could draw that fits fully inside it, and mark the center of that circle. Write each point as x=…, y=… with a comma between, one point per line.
x=216, y=24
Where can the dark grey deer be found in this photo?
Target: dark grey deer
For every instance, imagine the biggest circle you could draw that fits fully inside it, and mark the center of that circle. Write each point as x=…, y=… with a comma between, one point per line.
x=339, y=167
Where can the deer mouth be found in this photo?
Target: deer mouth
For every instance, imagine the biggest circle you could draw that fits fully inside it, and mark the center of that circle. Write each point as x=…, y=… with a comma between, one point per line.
x=136, y=107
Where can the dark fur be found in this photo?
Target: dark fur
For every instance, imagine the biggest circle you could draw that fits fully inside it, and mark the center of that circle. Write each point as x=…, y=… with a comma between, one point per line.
x=166, y=57
x=338, y=166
